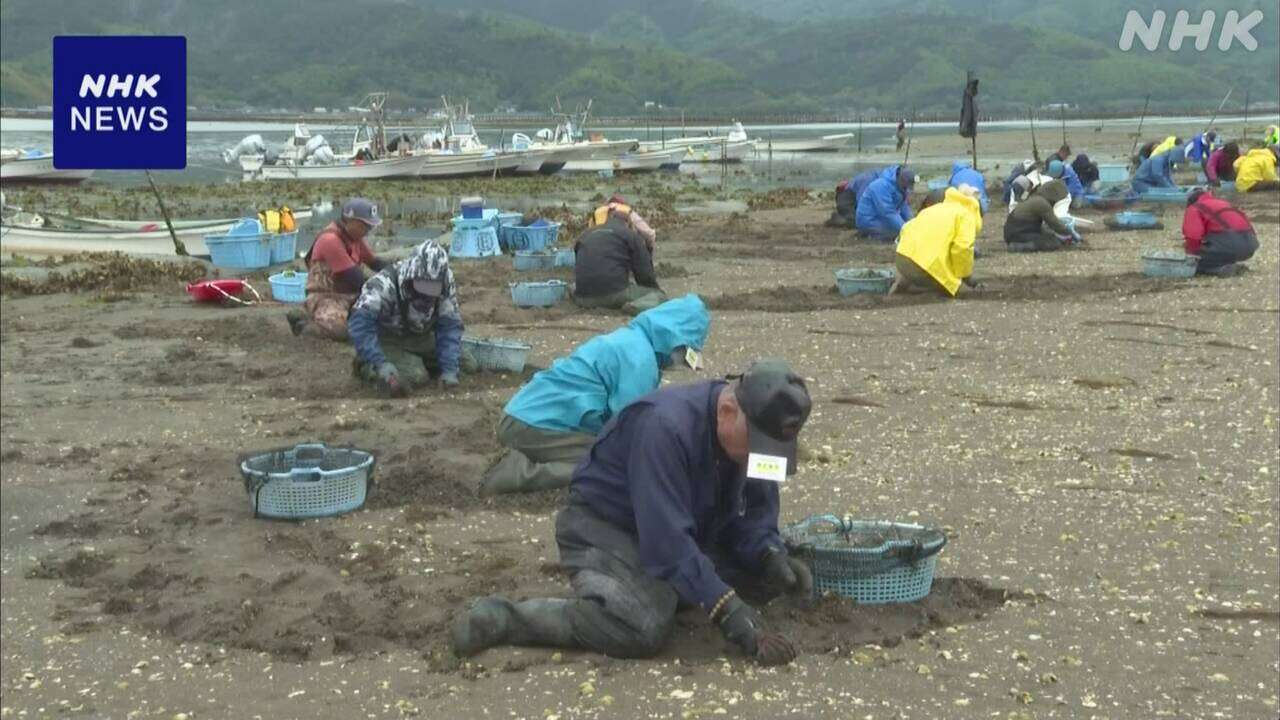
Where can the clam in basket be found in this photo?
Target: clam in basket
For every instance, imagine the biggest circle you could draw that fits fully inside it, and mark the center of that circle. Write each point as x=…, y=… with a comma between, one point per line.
x=310, y=480
x=872, y=562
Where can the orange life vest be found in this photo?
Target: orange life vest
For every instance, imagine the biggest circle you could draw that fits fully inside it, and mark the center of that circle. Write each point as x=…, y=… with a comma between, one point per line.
x=278, y=220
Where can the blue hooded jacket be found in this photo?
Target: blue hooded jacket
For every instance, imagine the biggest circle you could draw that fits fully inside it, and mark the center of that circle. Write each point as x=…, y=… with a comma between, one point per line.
x=579, y=393
x=883, y=208
x=858, y=183
x=1072, y=180
x=1157, y=172
x=962, y=173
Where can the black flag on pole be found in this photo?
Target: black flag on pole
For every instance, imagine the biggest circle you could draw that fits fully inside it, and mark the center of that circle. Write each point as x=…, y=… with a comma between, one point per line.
x=969, y=108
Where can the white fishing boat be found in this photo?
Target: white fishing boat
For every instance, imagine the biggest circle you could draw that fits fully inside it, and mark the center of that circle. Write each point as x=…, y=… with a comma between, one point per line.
x=826, y=143
x=28, y=233
x=457, y=151
x=308, y=157
x=734, y=147
x=570, y=148
x=35, y=166
x=638, y=161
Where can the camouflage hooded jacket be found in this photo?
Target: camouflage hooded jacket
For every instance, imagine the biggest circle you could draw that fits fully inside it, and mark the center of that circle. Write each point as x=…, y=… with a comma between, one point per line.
x=388, y=304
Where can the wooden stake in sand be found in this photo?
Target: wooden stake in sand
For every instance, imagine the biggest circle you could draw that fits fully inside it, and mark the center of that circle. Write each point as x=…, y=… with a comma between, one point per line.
x=910, y=132
x=1138, y=135
x=1035, y=149
x=178, y=247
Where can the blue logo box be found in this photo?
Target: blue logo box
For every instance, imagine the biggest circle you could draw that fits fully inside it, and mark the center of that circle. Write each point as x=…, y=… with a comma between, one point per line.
x=119, y=102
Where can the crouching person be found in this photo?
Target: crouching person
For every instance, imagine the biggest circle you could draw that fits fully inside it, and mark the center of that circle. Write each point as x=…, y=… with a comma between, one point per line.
x=1219, y=234
x=935, y=250
x=334, y=271
x=615, y=249
x=675, y=505
x=551, y=423
x=1033, y=225
x=406, y=325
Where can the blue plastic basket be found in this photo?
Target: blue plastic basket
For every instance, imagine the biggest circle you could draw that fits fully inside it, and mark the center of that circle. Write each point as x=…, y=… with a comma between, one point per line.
x=1133, y=220
x=871, y=562
x=1164, y=195
x=566, y=258
x=938, y=183
x=539, y=294
x=241, y=251
x=1168, y=264
x=864, y=280
x=474, y=239
x=283, y=247
x=1113, y=174
x=531, y=237
x=289, y=286
x=502, y=220
x=526, y=260
x=1227, y=186
x=307, y=481
x=496, y=354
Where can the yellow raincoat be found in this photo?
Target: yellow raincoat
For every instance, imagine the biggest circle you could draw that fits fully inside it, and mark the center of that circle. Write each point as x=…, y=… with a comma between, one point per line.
x=940, y=239
x=1259, y=165
x=1169, y=143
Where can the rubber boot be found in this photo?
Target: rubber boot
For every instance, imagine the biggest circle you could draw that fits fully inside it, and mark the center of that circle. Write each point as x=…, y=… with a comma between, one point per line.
x=297, y=321
x=496, y=620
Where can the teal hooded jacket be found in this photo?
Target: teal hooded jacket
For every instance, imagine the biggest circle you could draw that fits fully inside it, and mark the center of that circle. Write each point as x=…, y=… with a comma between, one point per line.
x=579, y=393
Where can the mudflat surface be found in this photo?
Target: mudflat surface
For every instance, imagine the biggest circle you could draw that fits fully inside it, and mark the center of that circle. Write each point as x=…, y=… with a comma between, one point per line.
x=1099, y=447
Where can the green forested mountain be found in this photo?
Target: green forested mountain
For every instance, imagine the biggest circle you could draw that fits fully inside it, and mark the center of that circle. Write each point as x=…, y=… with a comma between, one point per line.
x=730, y=55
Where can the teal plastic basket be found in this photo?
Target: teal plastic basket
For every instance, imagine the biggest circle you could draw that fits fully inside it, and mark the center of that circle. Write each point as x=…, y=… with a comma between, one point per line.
x=283, y=247
x=539, y=294
x=526, y=260
x=496, y=354
x=310, y=480
x=531, y=237
x=864, y=280
x=1168, y=264
x=244, y=247
x=474, y=239
x=872, y=562
x=289, y=287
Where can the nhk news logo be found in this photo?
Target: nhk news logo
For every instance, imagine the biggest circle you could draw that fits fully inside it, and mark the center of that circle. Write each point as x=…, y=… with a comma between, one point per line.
x=120, y=102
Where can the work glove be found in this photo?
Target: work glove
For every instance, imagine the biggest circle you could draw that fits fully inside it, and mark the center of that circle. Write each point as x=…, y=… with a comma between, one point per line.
x=448, y=380
x=741, y=625
x=792, y=575
x=389, y=376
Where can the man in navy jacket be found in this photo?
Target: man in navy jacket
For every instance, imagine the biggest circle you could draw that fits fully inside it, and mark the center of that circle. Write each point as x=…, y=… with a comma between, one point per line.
x=676, y=505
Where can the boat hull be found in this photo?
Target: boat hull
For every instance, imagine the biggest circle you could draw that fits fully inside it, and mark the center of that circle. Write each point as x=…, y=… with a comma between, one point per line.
x=644, y=161
x=124, y=236
x=39, y=170
x=715, y=152
x=407, y=166
x=447, y=165
x=826, y=143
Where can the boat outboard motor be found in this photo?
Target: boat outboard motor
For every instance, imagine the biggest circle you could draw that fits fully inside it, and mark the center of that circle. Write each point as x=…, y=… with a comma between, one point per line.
x=405, y=139
x=250, y=145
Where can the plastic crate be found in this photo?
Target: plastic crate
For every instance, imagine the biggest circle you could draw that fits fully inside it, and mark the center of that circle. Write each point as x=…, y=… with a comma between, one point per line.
x=283, y=247
x=1164, y=195
x=539, y=294
x=1168, y=264
x=1227, y=186
x=474, y=239
x=310, y=480
x=289, y=286
x=243, y=252
x=1133, y=220
x=496, y=354
x=872, y=562
x=531, y=237
x=566, y=258
x=938, y=183
x=864, y=280
x=525, y=260
x=1113, y=174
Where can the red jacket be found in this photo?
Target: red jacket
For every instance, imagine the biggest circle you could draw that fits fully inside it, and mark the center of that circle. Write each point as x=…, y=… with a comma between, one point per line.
x=1207, y=216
